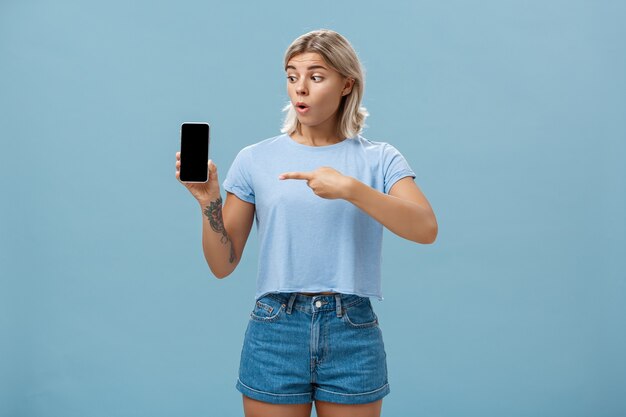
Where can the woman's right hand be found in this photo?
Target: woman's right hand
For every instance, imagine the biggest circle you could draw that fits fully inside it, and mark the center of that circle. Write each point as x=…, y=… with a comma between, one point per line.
x=204, y=192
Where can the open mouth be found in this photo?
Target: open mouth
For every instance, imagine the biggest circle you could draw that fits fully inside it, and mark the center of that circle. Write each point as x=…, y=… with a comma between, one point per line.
x=302, y=107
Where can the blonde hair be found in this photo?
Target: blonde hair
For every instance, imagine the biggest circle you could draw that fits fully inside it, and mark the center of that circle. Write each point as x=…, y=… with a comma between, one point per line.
x=339, y=54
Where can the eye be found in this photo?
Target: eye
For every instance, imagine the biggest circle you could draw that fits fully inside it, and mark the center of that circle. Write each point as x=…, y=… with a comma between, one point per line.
x=317, y=76
x=289, y=77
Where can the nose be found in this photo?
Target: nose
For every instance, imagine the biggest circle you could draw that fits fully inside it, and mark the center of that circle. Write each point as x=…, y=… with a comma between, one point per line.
x=301, y=89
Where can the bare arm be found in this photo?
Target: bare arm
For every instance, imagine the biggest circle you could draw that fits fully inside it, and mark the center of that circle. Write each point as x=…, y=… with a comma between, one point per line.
x=225, y=230
x=405, y=210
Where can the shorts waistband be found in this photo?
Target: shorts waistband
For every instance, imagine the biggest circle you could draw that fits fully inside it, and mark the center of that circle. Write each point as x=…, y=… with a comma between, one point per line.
x=316, y=303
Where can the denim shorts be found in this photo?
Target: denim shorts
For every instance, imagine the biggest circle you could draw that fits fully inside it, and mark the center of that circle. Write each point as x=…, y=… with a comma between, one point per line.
x=299, y=348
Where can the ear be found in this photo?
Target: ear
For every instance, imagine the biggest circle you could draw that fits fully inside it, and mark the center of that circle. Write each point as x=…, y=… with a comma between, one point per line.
x=348, y=87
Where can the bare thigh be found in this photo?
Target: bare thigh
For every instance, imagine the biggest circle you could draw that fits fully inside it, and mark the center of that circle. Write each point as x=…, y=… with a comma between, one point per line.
x=326, y=409
x=255, y=408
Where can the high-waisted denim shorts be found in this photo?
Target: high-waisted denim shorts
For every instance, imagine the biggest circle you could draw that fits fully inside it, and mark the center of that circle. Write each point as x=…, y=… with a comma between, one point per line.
x=299, y=348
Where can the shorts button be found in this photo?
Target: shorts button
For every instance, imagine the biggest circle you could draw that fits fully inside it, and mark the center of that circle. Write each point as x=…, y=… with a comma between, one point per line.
x=318, y=304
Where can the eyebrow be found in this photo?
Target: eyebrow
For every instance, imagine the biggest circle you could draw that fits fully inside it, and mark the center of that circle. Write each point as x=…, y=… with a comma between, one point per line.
x=310, y=68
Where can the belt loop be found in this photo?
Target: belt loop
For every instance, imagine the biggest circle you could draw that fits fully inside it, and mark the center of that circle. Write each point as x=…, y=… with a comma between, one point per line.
x=292, y=299
x=338, y=304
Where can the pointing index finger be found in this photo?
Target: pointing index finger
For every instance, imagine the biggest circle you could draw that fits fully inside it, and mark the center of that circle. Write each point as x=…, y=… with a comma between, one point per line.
x=295, y=176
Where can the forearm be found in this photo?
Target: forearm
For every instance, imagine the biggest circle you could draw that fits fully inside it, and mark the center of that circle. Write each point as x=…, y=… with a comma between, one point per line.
x=216, y=244
x=404, y=218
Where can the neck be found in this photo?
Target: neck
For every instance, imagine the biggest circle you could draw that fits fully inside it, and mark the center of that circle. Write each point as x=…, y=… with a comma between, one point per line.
x=320, y=135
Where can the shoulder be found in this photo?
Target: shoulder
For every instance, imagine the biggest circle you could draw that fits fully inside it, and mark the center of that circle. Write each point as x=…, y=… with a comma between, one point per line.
x=377, y=147
x=263, y=145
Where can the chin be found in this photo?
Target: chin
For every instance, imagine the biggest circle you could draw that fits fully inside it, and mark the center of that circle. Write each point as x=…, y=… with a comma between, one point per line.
x=307, y=124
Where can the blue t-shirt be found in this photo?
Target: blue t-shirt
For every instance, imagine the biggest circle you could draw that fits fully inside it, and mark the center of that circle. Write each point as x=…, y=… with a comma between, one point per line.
x=308, y=243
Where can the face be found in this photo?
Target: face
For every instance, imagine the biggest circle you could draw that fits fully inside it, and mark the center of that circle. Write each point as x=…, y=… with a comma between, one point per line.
x=312, y=82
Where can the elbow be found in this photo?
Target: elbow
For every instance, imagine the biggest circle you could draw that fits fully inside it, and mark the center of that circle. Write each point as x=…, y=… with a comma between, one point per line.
x=221, y=274
x=431, y=238
x=218, y=275
x=222, y=269
x=434, y=231
x=427, y=236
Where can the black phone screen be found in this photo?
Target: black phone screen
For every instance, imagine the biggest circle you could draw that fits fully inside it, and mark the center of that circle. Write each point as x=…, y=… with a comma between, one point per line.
x=194, y=152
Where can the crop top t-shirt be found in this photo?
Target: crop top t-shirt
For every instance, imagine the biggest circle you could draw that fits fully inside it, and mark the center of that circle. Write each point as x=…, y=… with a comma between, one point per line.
x=308, y=243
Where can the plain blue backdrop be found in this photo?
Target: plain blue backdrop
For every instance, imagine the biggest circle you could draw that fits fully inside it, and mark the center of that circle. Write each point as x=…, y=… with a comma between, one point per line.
x=510, y=112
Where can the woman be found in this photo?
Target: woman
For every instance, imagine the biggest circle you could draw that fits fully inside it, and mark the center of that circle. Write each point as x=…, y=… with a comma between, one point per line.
x=321, y=193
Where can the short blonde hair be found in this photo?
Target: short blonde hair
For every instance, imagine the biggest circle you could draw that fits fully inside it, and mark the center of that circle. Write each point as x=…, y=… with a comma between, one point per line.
x=339, y=54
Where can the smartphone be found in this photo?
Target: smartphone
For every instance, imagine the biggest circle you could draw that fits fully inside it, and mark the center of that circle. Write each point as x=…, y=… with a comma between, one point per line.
x=194, y=152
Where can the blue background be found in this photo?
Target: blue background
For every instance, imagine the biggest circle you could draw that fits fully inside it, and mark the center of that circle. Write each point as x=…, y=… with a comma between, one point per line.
x=510, y=112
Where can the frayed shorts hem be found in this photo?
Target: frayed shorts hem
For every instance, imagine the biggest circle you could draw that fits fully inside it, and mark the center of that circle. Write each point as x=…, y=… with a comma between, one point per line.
x=319, y=394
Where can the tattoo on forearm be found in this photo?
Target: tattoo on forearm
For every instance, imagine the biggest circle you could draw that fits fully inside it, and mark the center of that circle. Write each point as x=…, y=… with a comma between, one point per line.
x=214, y=213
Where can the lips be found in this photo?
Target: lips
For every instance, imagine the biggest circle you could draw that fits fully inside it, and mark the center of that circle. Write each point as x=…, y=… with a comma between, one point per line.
x=302, y=107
